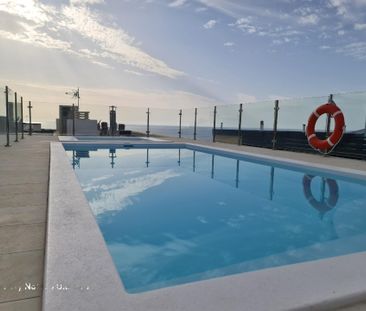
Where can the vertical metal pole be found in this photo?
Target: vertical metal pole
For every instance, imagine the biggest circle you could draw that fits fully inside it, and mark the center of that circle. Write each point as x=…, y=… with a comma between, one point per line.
x=22, y=116
x=239, y=127
x=7, y=116
x=195, y=124
x=275, y=121
x=73, y=120
x=30, y=118
x=148, y=123
x=271, y=186
x=179, y=157
x=237, y=173
x=327, y=128
x=214, y=125
x=78, y=99
x=180, y=124
x=213, y=166
x=16, y=116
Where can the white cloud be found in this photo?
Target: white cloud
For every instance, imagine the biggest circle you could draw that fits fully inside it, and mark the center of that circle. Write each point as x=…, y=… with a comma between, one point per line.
x=355, y=50
x=200, y=9
x=32, y=36
x=360, y=26
x=340, y=6
x=341, y=32
x=86, y=2
x=244, y=24
x=210, y=24
x=133, y=72
x=245, y=98
x=117, y=44
x=119, y=195
x=310, y=19
x=109, y=42
x=229, y=43
x=30, y=10
x=177, y=3
x=278, y=97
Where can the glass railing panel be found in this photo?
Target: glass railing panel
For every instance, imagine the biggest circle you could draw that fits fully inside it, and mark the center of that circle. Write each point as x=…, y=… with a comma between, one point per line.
x=294, y=113
x=258, y=115
x=205, y=117
x=164, y=122
x=11, y=115
x=2, y=117
x=18, y=121
x=227, y=124
x=353, y=106
x=227, y=117
x=188, y=116
x=43, y=114
x=257, y=123
x=134, y=119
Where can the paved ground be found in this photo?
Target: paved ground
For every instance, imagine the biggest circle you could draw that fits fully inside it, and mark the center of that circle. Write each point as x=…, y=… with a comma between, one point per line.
x=23, y=206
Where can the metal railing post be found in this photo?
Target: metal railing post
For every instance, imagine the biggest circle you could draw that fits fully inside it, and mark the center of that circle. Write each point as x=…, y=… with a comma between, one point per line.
x=22, y=116
x=195, y=124
x=7, y=117
x=180, y=124
x=148, y=123
x=73, y=120
x=327, y=126
x=275, y=121
x=239, y=127
x=30, y=118
x=16, y=116
x=214, y=125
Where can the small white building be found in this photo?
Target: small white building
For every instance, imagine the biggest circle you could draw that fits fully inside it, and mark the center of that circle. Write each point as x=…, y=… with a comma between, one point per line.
x=70, y=117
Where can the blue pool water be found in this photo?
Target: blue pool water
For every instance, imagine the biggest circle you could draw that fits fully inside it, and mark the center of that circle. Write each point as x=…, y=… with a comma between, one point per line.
x=173, y=216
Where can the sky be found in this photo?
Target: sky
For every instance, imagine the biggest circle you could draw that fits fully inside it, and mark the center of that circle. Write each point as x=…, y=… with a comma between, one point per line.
x=181, y=53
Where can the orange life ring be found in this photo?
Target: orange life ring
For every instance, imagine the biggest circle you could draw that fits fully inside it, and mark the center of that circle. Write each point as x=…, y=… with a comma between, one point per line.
x=328, y=203
x=335, y=137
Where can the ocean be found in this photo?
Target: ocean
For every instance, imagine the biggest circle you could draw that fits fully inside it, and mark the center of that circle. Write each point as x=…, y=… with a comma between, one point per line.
x=203, y=133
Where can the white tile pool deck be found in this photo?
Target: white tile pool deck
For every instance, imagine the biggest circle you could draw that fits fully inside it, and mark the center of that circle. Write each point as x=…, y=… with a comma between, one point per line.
x=77, y=256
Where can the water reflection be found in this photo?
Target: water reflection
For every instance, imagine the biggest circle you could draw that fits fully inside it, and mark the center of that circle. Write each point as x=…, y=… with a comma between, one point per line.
x=271, y=187
x=325, y=204
x=237, y=173
x=112, y=156
x=147, y=157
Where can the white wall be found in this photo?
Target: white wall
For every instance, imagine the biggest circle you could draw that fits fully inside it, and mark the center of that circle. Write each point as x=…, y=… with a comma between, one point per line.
x=83, y=127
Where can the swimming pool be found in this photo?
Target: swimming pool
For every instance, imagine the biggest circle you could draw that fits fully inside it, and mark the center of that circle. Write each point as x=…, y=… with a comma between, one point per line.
x=174, y=216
